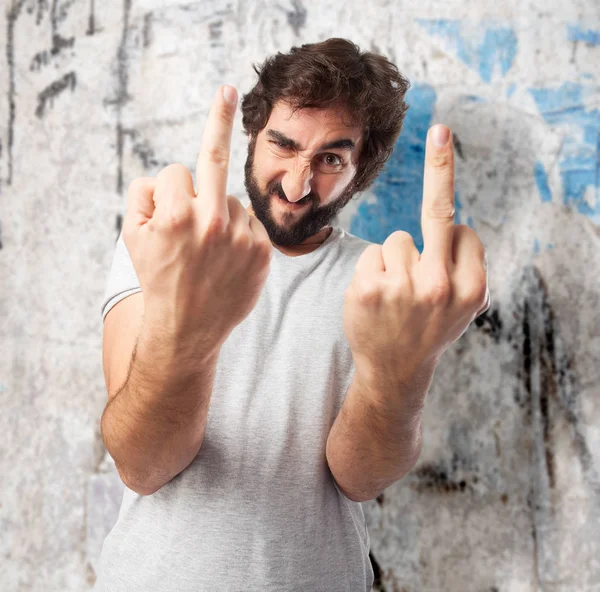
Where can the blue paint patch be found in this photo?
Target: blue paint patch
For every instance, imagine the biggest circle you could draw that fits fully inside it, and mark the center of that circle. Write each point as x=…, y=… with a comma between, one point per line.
x=399, y=187
x=536, y=247
x=579, y=158
x=576, y=33
x=541, y=179
x=481, y=47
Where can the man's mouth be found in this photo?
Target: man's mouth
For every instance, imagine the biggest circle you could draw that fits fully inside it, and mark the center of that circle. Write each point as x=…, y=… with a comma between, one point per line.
x=294, y=205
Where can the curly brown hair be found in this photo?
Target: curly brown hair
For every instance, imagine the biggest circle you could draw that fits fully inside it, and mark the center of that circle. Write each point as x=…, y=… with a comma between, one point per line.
x=335, y=73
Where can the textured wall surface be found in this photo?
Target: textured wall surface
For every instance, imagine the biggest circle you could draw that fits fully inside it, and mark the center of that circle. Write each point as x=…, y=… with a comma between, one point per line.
x=506, y=494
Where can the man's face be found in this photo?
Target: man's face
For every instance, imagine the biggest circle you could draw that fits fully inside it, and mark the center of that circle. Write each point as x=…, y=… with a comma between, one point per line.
x=299, y=169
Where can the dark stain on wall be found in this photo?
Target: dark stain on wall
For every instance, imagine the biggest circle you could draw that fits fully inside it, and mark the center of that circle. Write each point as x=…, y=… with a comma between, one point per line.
x=59, y=43
x=11, y=19
x=142, y=149
x=91, y=20
x=296, y=18
x=490, y=323
x=42, y=58
x=457, y=146
x=147, y=29
x=122, y=96
x=550, y=382
x=54, y=89
x=377, y=585
x=441, y=478
x=118, y=225
x=215, y=32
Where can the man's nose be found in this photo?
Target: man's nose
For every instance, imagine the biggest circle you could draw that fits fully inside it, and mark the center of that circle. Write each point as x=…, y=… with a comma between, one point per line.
x=296, y=183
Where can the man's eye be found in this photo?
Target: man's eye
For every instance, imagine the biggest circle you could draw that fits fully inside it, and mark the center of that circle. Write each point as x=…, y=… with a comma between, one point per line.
x=279, y=144
x=333, y=160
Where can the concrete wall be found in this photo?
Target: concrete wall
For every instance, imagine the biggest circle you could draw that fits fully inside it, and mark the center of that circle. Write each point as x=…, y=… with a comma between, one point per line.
x=506, y=494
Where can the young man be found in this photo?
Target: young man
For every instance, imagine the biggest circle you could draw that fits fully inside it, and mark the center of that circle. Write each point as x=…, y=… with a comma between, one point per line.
x=233, y=341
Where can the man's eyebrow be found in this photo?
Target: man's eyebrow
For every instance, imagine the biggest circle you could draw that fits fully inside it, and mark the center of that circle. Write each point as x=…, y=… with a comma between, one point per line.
x=344, y=144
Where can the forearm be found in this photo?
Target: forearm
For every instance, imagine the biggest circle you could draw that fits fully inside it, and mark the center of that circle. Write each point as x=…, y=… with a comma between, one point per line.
x=376, y=438
x=154, y=427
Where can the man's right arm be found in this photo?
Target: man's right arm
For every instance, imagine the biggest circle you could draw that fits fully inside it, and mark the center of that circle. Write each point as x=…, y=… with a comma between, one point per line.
x=153, y=426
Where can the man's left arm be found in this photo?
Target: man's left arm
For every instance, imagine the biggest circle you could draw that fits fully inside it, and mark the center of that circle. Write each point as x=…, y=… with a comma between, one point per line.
x=402, y=310
x=377, y=436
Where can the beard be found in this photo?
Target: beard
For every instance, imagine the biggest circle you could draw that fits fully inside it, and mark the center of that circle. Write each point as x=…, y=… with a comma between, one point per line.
x=313, y=220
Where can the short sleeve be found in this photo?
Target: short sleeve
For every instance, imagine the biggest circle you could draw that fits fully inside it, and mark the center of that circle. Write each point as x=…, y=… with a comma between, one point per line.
x=122, y=279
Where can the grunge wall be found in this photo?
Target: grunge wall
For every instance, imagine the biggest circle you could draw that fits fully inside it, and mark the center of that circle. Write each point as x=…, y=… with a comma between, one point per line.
x=506, y=494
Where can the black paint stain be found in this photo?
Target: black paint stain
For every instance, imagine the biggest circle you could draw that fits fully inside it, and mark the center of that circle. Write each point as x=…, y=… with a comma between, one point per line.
x=437, y=477
x=147, y=29
x=456, y=476
x=11, y=19
x=490, y=323
x=42, y=58
x=377, y=585
x=42, y=5
x=118, y=225
x=545, y=383
x=53, y=90
x=380, y=499
x=143, y=150
x=215, y=32
x=296, y=18
x=122, y=95
x=457, y=145
x=59, y=43
x=550, y=383
x=91, y=20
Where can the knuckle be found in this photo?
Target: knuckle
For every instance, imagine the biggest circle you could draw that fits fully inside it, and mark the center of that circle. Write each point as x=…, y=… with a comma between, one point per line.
x=177, y=167
x=398, y=288
x=216, y=227
x=441, y=207
x=135, y=185
x=368, y=293
x=440, y=160
x=242, y=240
x=475, y=295
x=439, y=291
x=218, y=156
x=181, y=213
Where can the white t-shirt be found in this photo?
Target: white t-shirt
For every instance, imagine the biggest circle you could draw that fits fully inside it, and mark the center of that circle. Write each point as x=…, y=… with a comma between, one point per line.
x=258, y=509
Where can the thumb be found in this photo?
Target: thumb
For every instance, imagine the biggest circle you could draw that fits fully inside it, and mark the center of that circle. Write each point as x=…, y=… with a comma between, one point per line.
x=140, y=200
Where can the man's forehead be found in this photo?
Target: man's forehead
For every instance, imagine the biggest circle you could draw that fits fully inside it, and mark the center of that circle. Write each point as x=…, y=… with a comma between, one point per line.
x=285, y=117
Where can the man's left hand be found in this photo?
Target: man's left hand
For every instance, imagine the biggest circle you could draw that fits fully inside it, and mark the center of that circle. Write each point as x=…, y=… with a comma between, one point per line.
x=403, y=309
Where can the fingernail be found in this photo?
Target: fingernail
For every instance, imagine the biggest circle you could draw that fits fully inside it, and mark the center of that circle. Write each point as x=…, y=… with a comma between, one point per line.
x=230, y=94
x=440, y=134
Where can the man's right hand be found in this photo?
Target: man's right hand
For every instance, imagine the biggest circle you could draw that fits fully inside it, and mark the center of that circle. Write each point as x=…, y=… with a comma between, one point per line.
x=201, y=259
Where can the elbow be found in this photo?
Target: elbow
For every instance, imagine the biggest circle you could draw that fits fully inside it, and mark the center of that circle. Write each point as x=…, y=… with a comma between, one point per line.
x=143, y=490
x=139, y=486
